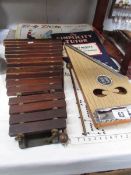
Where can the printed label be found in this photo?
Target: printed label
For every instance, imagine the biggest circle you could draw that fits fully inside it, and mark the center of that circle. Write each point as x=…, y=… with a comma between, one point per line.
x=89, y=48
x=121, y=114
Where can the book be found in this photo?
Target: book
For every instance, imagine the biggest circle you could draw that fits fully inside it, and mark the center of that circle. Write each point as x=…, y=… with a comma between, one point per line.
x=89, y=43
x=44, y=31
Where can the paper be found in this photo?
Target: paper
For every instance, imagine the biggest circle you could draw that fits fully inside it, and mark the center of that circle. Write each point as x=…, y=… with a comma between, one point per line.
x=121, y=114
x=89, y=48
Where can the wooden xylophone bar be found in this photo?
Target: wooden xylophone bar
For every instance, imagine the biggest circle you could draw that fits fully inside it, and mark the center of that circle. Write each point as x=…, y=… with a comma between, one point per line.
x=39, y=126
x=35, y=54
x=33, y=68
x=34, y=74
x=41, y=115
x=36, y=106
x=33, y=81
x=36, y=97
x=33, y=49
x=30, y=89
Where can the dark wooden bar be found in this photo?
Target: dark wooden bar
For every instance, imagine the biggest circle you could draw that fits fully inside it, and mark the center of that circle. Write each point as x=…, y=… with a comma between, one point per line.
x=126, y=61
x=119, y=38
x=100, y=13
x=33, y=46
x=34, y=58
x=41, y=115
x=40, y=63
x=32, y=55
x=29, y=89
x=34, y=75
x=55, y=51
x=18, y=70
x=38, y=106
x=36, y=98
x=33, y=61
x=34, y=127
x=19, y=60
x=37, y=45
x=33, y=81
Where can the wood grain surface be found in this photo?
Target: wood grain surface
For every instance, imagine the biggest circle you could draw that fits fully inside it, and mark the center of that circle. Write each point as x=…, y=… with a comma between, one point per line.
x=8, y=56
x=36, y=98
x=29, y=89
x=38, y=46
x=40, y=63
x=37, y=106
x=33, y=81
x=34, y=74
x=35, y=64
x=38, y=116
x=37, y=59
x=13, y=70
x=87, y=73
x=36, y=127
x=27, y=49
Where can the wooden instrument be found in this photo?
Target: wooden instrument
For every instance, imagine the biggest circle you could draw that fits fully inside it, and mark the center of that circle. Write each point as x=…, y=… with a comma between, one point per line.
x=122, y=39
x=106, y=92
x=35, y=77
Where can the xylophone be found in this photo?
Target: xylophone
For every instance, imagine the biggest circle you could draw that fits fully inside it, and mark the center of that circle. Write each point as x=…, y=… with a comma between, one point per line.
x=34, y=82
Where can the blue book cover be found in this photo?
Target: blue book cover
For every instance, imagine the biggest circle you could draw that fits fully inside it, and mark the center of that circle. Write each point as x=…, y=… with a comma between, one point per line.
x=89, y=43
